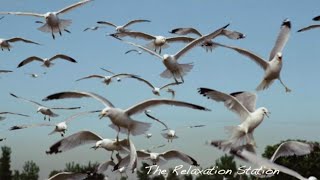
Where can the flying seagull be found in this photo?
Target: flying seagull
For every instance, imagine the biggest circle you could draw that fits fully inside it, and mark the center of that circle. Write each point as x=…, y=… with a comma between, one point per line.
x=208, y=44
x=60, y=127
x=5, y=43
x=46, y=111
x=123, y=28
x=52, y=23
x=156, y=90
x=18, y=114
x=47, y=62
x=93, y=28
x=157, y=42
x=108, y=79
x=68, y=176
x=88, y=137
x=173, y=68
x=121, y=118
x=313, y=26
x=247, y=155
x=272, y=67
x=243, y=104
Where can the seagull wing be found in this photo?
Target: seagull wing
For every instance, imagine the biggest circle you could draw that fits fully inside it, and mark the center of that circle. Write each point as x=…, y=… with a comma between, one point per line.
x=182, y=39
x=123, y=75
x=131, y=50
x=173, y=154
x=29, y=60
x=66, y=108
x=24, y=14
x=261, y=62
x=107, y=23
x=170, y=84
x=36, y=103
x=73, y=6
x=229, y=101
x=16, y=39
x=78, y=94
x=17, y=127
x=309, y=27
x=68, y=176
x=233, y=34
x=104, y=167
x=73, y=141
x=140, y=107
x=282, y=38
x=91, y=76
x=247, y=99
x=290, y=148
x=156, y=119
x=135, y=34
x=198, y=41
x=135, y=21
x=143, y=80
x=317, y=18
x=185, y=31
x=14, y=114
x=79, y=114
x=64, y=57
x=107, y=70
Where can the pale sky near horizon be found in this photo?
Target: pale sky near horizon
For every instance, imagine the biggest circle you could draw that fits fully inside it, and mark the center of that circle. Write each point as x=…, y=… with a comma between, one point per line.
x=294, y=115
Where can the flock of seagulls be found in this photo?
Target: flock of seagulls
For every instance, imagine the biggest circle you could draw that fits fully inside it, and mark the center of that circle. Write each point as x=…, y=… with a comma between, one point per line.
x=241, y=142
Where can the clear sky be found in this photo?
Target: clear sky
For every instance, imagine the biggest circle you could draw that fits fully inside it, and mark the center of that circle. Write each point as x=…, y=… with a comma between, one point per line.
x=294, y=115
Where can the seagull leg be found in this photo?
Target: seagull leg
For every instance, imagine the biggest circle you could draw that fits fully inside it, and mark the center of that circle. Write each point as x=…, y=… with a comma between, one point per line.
x=59, y=31
x=118, y=133
x=52, y=33
x=160, y=50
x=112, y=155
x=66, y=30
x=287, y=89
x=44, y=117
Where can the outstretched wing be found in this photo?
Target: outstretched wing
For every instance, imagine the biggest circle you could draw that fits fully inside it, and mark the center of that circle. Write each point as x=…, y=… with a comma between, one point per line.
x=282, y=38
x=33, y=102
x=24, y=14
x=135, y=21
x=91, y=76
x=291, y=148
x=185, y=31
x=69, y=176
x=73, y=6
x=29, y=60
x=62, y=56
x=16, y=39
x=314, y=26
x=173, y=154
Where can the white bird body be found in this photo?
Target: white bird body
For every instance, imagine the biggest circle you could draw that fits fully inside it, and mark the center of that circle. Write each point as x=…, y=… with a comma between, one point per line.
x=4, y=44
x=109, y=145
x=46, y=111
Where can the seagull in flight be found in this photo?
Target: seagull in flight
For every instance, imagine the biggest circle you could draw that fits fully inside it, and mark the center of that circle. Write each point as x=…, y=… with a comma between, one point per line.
x=93, y=28
x=69, y=176
x=272, y=67
x=46, y=111
x=123, y=28
x=173, y=68
x=208, y=44
x=5, y=43
x=11, y=113
x=121, y=118
x=313, y=26
x=88, y=137
x=52, y=23
x=244, y=105
x=60, y=127
x=46, y=62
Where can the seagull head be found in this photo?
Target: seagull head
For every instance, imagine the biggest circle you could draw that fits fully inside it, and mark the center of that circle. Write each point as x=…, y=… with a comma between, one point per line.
x=279, y=56
x=105, y=112
x=265, y=111
x=97, y=145
x=156, y=91
x=312, y=178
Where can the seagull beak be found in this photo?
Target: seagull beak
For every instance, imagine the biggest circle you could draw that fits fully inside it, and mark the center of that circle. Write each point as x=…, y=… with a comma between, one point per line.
x=267, y=114
x=101, y=116
x=94, y=147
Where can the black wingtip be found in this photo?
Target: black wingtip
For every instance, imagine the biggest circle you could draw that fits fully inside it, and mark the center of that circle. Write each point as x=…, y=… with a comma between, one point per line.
x=14, y=128
x=286, y=23
x=13, y=95
x=52, y=97
x=236, y=93
x=203, y=91
x=317, y=18
x=173, y=31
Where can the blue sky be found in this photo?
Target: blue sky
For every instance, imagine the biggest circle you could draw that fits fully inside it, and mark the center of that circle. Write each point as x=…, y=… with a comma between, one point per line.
x=294, y=115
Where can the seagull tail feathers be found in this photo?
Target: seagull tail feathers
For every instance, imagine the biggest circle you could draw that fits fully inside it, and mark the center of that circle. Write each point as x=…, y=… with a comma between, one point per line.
x=264, y=84
x=237, y=137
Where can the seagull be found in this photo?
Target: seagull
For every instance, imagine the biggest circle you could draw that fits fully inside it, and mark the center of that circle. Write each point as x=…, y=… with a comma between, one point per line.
x=3, y=118
x=157, y=42
x=93, y=28
x=5, y=71
x=156, y=90
x=243, y=104
x=52, y=23
x=5, y=43
x=148, y=135
x=47, y=62
x=133, y=50
x=251, y=157
x=313, y=26
x=174, y=69
x=123, y=27
x=69, y=176
x=154, y=147
x=161, y=158
x=60, y=127
x=88, y=137
x=272, y=67
x=108, y=79
x=209, y=44
x=121, y=118
x=46, y=111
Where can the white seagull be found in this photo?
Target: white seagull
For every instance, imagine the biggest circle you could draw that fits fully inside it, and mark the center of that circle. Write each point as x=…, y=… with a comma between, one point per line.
x=5, y=43
x=47, y=62
x=93, y=28
x=313, y=26
x=243, y=104
x=60, y=127
x=68, y=176
x=88, y=137
x=272, y=67
x=108, y=79
x=174, y=69
x=251, y=157
x=121, y=118
x=157, y=42
x=52, y=23
x=18, y=114
x=46, y=111
x=123, y=28
x=209, y=44
x=156, y=90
